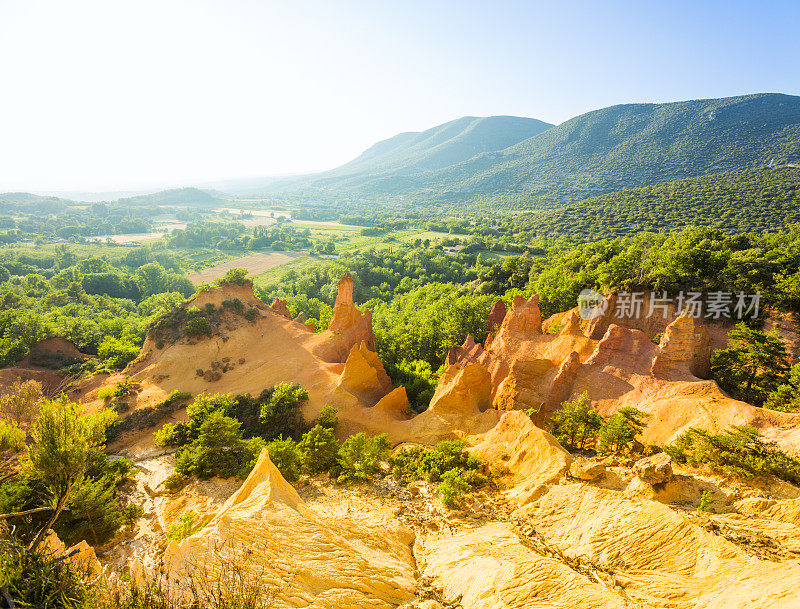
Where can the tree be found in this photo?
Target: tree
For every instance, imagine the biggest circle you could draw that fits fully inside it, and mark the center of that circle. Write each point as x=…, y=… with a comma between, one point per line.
x=117, y=353
x=21, y=405
x=576, y=422
x=235, y=277
x=64, y=442
x=218, y=450
x=360, y=456
x=753, y=365
x=281, y=413
x=318, y=449
x=620, y=431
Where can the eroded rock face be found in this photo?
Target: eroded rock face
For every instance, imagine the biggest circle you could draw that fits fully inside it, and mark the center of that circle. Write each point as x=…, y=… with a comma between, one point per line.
x=309, y=559
x=496, y=316
x=534, y=457
x=684, y=349
x=348, y=326
x=465, y=390
x=364, y=375
x=281, y=308
x=655, y=469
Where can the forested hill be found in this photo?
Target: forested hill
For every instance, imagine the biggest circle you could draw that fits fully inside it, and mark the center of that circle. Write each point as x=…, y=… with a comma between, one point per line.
x=175, y=196
x=751, y=200
x=392, y=164
x=601, y=151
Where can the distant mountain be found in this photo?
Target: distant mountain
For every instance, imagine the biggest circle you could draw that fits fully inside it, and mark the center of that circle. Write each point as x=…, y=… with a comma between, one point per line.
x=418, y=153
x=601, y=151
x=751, y=200
x=192, y=197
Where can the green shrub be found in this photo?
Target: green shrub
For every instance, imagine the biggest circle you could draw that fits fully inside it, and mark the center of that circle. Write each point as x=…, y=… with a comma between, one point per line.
x=281, y=412
x=181, y=529
x=360, y=457
x=285, y=455
x=198, y=327
x=620, y=431
x=234, y=277
x=706, y=501
x=576, y=422
x=327, y=417
x=418, y=463
x=35, y=579
x=453, y=487
x=218, y=450
x=318, y=450
x=739, y=450
x=116, y=353
x=175, y=482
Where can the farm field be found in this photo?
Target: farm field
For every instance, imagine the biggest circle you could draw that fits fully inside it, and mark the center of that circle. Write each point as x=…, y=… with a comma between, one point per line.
x=254, y=263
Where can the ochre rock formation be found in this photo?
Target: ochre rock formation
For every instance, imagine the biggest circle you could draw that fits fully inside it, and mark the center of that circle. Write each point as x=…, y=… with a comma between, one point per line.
x=534, y=457
x=618, y=367
x=306, y=558
x=348, y=326
x=281, y=308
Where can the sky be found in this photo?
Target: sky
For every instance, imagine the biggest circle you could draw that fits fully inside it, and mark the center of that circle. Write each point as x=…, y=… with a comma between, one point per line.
x=111, y=95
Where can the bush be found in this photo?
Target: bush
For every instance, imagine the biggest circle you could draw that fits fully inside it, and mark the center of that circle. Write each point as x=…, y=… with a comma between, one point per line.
x=116, y=353
x=318, y=450
x=360, y=457
x=281, y=412
x=421, y=464
x=22, y=403
x=175, y=482
x=234, y=277
x=576, y=422
x=620, y=431
x=218, y=450
x=181, y=529
x=327, y=417
x=198, y=327
x=34, y=579
x=285, y=456
x=94, y=514
x=453, y=487
x=739, y=450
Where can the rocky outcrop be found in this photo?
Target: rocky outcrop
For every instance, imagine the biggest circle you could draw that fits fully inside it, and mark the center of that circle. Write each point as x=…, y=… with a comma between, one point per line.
x=307, y=558
x=523, y=387
x=364, y=375
x=281, y=308
x=348, y=326
x=534, y=457
x=623, y=348
x=496, y=316
x=560, y=388
x=655, y=469
x=684, y=349
x=465, y=390
x=586, y=469
x=524, y=318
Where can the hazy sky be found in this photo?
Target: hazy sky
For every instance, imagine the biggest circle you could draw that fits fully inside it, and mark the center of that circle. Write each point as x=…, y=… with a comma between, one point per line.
x=107, y=95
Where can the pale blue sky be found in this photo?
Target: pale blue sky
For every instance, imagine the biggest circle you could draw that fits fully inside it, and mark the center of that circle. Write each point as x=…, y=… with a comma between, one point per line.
x=100, y=94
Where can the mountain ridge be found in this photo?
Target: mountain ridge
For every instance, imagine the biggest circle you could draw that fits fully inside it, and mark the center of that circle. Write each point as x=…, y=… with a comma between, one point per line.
x=621, y=146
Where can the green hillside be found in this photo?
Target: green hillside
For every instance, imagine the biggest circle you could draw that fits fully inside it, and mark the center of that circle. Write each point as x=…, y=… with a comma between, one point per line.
x=602, y=151
x=175, y=196
x=742, y=201
x=639, y=144
x=394, y=164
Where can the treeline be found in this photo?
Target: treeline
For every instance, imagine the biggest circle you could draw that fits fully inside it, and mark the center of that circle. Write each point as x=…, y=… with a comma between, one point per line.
x=90, y=302
x=753, y=200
